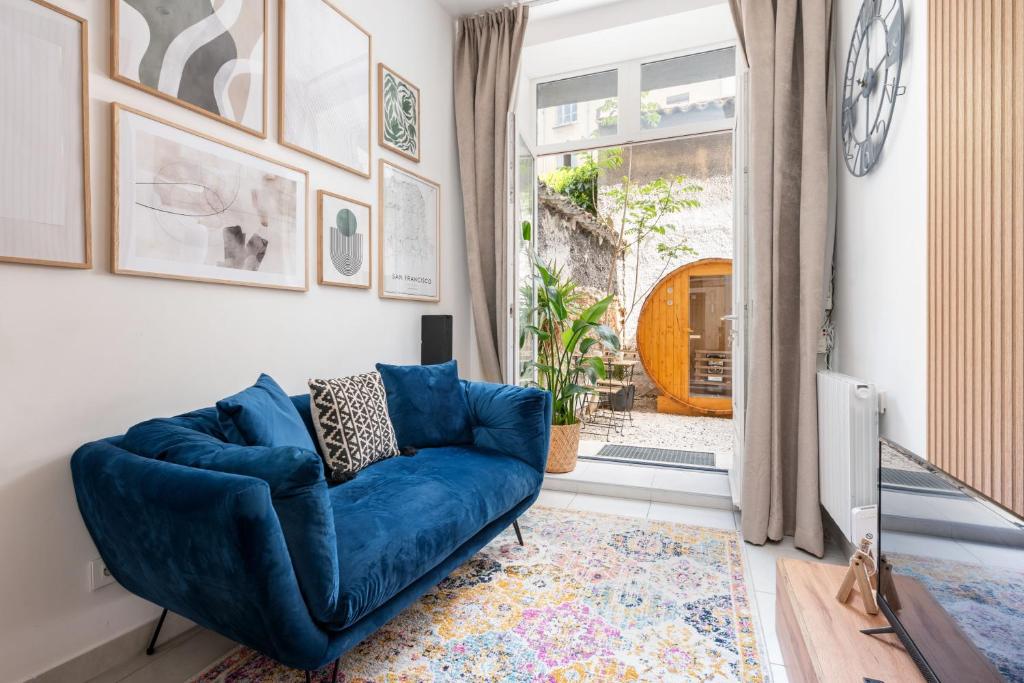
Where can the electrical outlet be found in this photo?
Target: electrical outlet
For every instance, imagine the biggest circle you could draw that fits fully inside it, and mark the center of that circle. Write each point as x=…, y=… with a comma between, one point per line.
x=99, y=575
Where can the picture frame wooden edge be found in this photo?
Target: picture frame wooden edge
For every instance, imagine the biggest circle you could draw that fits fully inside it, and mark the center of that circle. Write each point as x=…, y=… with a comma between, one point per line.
x=281, y=65
x=86, y=263
x=320, y=194
x=380, y=235
x=381, y=68
x=115, y=236
x=115, y=75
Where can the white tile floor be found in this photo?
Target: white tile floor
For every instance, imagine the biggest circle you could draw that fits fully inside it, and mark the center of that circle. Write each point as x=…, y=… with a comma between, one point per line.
x=175, y=664
x=644, y=482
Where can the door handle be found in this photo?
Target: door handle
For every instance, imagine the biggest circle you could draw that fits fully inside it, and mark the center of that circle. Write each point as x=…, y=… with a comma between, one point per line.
x=731, y=319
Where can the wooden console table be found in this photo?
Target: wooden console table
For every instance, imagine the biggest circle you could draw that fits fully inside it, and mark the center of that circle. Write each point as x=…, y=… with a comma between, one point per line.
x=820, y=637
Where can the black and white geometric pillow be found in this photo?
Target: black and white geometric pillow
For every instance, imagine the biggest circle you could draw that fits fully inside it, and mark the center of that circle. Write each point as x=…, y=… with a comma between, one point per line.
x=352, y=423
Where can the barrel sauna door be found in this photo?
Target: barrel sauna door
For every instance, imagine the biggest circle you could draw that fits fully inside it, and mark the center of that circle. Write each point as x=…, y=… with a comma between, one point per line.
x=683, y=339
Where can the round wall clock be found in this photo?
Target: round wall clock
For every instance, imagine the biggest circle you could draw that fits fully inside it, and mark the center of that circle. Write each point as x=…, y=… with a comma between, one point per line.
x=871, y=82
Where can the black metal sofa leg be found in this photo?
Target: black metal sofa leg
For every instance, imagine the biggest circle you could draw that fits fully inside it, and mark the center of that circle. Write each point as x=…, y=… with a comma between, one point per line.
x=334, y=672
x=519, y=534
x=156, y=632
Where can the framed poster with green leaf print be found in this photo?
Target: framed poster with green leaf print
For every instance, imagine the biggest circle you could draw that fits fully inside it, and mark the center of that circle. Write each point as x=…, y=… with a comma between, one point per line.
x=398, y=104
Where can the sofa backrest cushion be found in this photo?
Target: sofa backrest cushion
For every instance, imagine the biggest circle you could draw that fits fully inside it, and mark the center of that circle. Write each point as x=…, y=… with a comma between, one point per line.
x=297, y=487
x=427, y=405
x=263, y=415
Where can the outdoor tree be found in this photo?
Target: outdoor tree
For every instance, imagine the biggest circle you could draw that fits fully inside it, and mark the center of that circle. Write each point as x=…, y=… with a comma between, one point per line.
x=644, y=214
x=647, y=212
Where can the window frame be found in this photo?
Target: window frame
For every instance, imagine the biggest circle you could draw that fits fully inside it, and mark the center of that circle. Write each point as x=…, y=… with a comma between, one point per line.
x=630, y=125
x=572, y=107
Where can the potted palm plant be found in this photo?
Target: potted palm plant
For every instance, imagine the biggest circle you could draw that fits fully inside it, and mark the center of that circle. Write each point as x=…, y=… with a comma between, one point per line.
x=566, y=338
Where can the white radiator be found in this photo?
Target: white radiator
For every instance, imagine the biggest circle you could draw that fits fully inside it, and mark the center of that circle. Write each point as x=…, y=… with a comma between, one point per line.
x=847, y=446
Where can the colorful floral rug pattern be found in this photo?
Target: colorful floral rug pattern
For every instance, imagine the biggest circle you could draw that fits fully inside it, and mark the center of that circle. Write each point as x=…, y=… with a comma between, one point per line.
x=591, y=597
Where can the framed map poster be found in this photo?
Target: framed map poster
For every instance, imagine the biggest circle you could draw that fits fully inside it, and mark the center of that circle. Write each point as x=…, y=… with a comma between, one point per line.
x=410, y=235
x=189, y=207
x=344, y=235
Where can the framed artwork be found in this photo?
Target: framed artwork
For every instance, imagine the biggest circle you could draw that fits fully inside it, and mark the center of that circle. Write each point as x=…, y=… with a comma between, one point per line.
x=189, y=207
x=324, y=85
x=44, y=165
x=344, y=234
x=410, y=235
x=209, y=56
x=398, y=107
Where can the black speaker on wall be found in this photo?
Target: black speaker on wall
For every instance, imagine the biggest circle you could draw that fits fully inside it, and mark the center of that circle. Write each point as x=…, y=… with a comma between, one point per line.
x=436, y=339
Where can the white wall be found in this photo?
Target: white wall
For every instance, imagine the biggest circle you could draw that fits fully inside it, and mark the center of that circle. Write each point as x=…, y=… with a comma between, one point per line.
x=86, y=354
x=881, y=247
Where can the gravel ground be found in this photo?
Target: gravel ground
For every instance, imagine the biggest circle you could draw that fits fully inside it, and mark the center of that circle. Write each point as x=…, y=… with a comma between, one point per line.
x=680, y=432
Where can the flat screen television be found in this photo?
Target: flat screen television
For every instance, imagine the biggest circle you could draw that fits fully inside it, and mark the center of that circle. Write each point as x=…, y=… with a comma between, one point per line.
x=950, y=573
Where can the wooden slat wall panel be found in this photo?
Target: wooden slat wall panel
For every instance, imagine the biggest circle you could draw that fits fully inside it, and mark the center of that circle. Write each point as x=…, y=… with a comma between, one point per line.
x=976, y=244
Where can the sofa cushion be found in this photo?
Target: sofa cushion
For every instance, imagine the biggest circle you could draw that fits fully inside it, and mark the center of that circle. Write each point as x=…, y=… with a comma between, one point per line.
x=403, y=516
x=427, y=404
x=263, y=415
x=297, y=487
x=350, y=415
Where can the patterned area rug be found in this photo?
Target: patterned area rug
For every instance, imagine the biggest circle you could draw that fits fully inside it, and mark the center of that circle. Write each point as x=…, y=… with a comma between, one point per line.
x=591, y=597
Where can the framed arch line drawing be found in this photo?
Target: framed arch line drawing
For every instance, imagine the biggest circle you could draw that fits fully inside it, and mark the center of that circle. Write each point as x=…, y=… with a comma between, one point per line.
x=207, y=56
x=343, y=239
x=44, y=105
x=187, y=206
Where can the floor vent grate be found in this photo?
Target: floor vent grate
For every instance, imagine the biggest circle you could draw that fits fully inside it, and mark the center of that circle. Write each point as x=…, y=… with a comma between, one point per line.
x=912, y=479
x=653, y=456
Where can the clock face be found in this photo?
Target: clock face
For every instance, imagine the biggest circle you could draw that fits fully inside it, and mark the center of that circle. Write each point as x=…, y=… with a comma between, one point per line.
x=871, y=82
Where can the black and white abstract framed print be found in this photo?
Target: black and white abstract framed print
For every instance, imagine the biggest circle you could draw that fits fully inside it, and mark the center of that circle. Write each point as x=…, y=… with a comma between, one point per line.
x=189, y=207
x=398, y=114
x=344, y=235
x=324, y=84
x=207, y=55
x=410, y=235
x=44, y=136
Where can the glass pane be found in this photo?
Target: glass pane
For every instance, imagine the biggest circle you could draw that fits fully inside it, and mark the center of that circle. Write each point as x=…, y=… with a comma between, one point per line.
x=690, y=89
x=526, y=202
x=578, y=108
x=710, y=350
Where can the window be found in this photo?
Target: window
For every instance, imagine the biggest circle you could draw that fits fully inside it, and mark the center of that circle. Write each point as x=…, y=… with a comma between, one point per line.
x=690, y=89
x=638, y=101
x=566, y=114
x=573, y=109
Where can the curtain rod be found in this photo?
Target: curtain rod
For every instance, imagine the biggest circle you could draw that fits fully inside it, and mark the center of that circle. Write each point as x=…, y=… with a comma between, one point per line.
x=524, y=3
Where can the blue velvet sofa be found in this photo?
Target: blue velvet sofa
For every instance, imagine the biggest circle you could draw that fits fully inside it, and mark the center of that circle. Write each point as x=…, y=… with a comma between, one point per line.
x=252, y=543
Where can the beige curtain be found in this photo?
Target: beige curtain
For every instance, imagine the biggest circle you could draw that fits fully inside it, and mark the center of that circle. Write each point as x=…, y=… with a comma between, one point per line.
x=786, y=43
x=487, y=52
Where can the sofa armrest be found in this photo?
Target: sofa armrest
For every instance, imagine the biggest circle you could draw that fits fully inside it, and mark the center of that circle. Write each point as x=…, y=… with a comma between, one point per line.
x=298, y=492
x=204, y=544
x=512, y=420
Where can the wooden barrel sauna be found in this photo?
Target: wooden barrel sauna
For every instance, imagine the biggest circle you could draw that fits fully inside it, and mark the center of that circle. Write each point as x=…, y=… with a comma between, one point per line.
x=684, y=342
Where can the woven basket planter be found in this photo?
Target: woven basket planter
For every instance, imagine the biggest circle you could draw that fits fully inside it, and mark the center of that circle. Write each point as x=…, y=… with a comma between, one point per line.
x=565, y=443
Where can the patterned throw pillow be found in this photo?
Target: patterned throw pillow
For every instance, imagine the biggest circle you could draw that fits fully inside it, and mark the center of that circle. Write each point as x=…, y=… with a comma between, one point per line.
x=352, y=423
